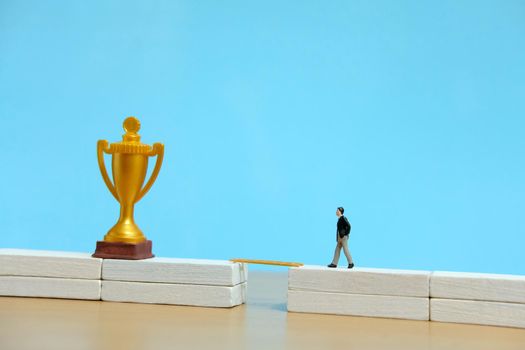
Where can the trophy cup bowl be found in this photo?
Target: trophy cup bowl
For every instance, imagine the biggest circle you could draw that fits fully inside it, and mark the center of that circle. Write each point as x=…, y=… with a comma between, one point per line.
x=129, y=172
x=129, y=166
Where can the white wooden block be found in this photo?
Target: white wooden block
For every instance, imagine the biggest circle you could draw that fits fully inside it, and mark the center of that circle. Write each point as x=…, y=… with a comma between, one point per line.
x=477, y=286
x=360, y=281
x=172, y=270
x=478, y=312
x=174, y=294
x=42, y=263
x=412, y=308
x=45, y=287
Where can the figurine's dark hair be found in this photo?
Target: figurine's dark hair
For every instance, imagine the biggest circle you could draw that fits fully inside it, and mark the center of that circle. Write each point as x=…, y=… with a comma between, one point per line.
x=341, y=209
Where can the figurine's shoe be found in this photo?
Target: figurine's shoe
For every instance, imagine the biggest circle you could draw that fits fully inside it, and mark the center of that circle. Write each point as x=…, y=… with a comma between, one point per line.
x=332, y=265
x=350, y=265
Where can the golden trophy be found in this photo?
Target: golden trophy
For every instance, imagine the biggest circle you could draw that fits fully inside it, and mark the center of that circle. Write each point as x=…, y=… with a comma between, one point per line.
x=129, y=165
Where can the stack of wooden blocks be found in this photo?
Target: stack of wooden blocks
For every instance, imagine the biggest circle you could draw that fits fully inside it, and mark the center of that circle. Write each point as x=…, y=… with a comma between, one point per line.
x=49, y=274
x=487, y=299
x=209, y=283
x=459, y=297
x=66, y=275
x=359, y=292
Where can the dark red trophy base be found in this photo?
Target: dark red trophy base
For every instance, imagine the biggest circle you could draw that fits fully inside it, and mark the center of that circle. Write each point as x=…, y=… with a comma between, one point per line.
x=127, y=251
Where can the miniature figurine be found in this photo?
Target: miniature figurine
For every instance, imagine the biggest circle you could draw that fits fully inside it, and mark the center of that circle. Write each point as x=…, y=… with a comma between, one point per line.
x=342, y=233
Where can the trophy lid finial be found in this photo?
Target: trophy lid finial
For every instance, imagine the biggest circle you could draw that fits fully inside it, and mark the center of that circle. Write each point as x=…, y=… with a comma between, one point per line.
x=130, y=143
x=131, y=126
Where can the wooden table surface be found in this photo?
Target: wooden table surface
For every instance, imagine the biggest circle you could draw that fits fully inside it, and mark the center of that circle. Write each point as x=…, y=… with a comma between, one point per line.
x=262, y=323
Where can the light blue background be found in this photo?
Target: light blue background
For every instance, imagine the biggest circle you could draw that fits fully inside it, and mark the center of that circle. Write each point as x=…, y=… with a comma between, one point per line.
x=410, y=114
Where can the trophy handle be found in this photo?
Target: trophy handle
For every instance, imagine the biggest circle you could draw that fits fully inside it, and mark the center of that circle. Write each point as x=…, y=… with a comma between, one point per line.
x=158, y=150
x=102, y=146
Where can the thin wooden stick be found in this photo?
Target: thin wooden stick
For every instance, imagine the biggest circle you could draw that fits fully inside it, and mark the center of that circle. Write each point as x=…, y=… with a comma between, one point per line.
x=267, y=262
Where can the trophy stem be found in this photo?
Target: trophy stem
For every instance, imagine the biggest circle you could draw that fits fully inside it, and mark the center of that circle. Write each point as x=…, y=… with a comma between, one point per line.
x=127, y=210
x=125, y=240
x=125, y=230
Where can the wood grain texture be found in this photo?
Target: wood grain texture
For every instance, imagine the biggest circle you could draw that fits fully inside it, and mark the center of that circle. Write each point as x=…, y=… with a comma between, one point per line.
x=478, y=312
x=477, y=286
x=360, y=281
x=45, y=287
x=41, y=263
x=179, y=271
x=174, y=294
x=411, y=308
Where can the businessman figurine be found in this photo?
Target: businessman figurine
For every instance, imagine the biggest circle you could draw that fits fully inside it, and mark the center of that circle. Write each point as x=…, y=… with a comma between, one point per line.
x=342, y=234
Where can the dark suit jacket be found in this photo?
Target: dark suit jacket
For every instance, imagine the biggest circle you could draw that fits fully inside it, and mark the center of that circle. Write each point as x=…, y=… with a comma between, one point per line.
x=343, y=226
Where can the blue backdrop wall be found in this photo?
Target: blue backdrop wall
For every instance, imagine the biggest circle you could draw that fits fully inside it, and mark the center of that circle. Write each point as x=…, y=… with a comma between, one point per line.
x=410, y=114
